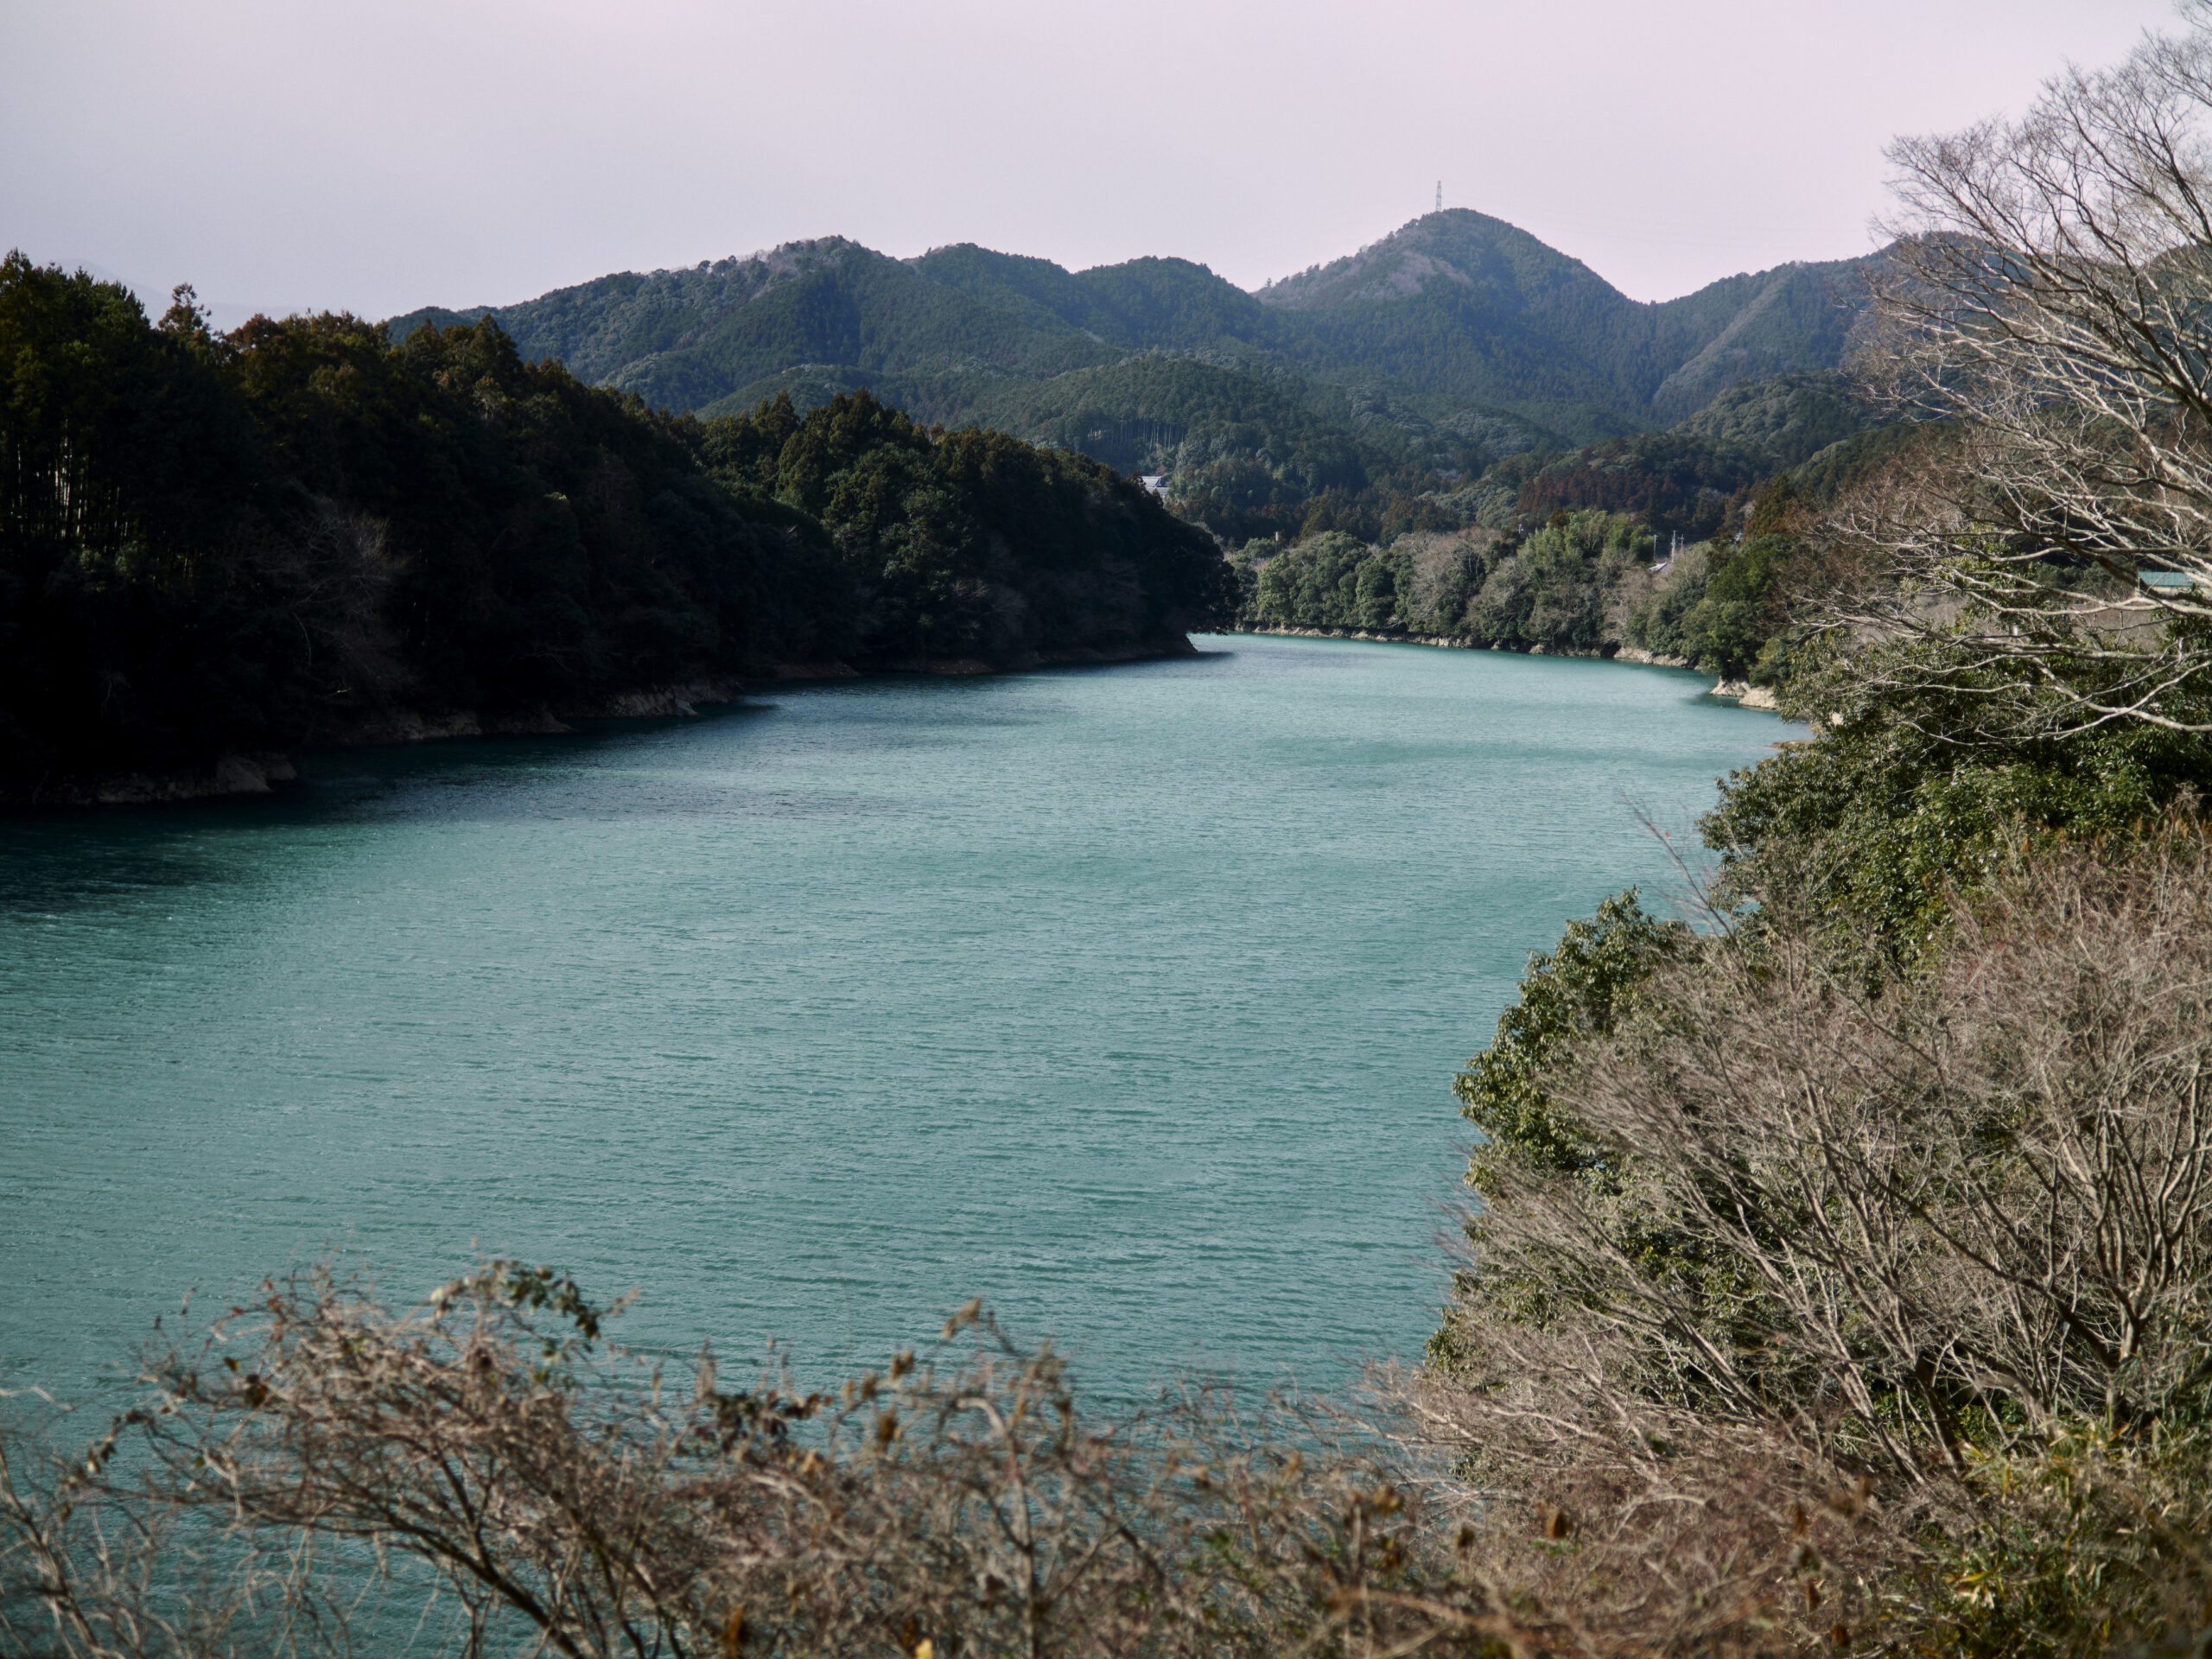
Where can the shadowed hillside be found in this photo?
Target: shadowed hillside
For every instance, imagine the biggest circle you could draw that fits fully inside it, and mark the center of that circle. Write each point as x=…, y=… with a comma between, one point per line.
x=299, y=535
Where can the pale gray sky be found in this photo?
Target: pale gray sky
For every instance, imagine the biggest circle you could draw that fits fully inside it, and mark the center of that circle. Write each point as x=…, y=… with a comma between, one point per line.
x=382, y=155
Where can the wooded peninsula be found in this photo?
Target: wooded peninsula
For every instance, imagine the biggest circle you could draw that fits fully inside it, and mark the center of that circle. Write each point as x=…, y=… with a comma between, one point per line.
x=300, y=535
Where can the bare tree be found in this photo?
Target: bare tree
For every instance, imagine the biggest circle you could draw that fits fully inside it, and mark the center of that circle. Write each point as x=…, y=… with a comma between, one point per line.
x=1891, y=1245
x=335, y=570
x=484, y=1474
x=2050, y=292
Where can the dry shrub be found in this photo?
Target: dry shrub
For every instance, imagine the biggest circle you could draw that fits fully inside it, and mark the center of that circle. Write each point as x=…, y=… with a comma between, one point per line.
x=2045, y=295
x=1894, y=1276
x=485, y=1473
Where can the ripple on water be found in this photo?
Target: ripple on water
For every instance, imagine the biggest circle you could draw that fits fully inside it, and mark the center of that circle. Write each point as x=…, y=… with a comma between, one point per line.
x=1127, y=999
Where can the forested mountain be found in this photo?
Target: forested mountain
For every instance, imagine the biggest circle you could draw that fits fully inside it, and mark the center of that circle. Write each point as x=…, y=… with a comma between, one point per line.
x=686, y=339
x=1144, y=305
x=1452, y=343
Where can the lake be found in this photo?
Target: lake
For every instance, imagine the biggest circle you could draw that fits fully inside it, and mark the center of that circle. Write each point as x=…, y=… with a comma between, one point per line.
x=1126, y=999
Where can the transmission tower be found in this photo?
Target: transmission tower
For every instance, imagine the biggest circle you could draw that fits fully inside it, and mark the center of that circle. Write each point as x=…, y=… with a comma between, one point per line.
x=1440, y=196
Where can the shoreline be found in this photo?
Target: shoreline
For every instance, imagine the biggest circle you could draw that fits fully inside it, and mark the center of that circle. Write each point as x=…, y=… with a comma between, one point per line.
x=1739, y=692
x=245, y=773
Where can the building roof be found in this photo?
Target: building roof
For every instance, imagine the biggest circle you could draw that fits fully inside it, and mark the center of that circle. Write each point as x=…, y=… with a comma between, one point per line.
x=2169, y=582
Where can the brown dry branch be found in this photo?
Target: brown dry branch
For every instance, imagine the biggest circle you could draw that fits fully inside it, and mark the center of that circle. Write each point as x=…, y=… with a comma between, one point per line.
x=86, y=1571
x=485, y=1473
x=338, y=569
x=1854, y=1259
x=2048, y=293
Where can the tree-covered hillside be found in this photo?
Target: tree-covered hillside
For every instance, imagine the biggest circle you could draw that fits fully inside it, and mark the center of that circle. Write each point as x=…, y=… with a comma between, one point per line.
x=1796, y=318
x=683, y=340
x=973, y=545
x=299, y=533
x=1178, y=415
x=1148, y=305
x=1786, y=419
x=1446, y=346
x=1686, y=544
x=1462, y=303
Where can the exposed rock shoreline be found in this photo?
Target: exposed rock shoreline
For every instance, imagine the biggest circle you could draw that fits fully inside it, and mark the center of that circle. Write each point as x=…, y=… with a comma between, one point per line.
x=1747, y=694
x=255, y=773
x=1075, y=656
x=1741, y=692
x=258, y=772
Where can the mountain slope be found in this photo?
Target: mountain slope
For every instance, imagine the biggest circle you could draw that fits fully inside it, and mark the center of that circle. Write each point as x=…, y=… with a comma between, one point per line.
x=1462, y=304
x=1791, y=320
x=1455, y=341
x=684, y=339
x=1784, y=419
x=1144, y=305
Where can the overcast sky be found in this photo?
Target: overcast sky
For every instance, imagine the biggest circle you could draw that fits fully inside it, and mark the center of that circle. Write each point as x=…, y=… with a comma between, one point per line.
x=381, y=156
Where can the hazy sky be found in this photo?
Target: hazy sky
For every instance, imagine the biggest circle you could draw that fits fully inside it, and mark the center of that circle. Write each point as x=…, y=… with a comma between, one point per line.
x=382, y=155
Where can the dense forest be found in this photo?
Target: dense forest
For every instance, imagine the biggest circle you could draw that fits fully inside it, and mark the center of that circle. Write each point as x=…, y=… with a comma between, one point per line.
x=971, y=544
x=297, y=532
x=1545, y=591
x=1690, y=545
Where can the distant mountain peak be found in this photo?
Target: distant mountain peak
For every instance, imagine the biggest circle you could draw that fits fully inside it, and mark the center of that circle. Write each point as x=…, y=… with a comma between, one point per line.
x=1453, y=245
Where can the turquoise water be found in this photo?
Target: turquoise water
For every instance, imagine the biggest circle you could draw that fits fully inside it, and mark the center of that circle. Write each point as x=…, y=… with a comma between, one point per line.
x=1129, y=1000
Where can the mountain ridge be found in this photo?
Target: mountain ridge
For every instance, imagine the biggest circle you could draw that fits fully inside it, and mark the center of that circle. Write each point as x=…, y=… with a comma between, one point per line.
x=1512, y=296
x=1452, y=342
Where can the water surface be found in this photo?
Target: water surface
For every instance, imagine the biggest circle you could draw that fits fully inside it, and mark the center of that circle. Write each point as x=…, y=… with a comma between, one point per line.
x=1129, y=1000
